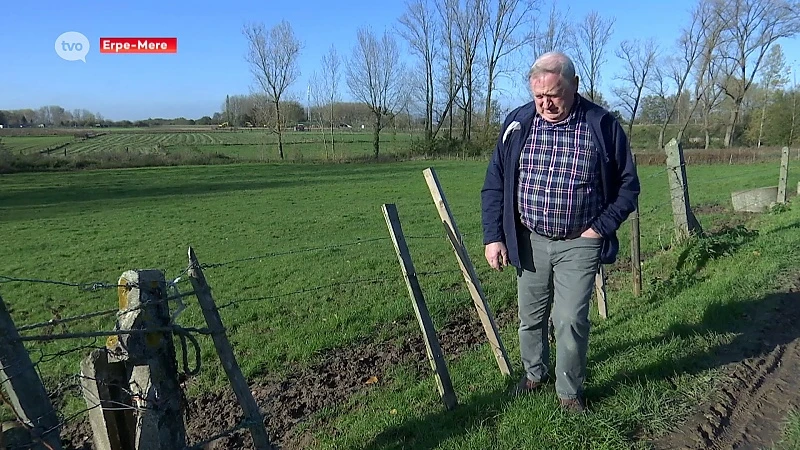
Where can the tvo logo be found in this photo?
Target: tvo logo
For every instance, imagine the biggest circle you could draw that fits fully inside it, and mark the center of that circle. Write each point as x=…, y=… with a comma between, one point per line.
x=72, y=46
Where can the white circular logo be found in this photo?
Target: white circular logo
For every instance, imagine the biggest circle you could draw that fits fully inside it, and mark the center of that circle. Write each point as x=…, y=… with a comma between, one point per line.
x=72, y=46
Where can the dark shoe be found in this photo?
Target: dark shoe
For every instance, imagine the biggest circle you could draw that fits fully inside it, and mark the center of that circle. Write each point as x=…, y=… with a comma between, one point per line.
x=573, y=405
x=526, y=385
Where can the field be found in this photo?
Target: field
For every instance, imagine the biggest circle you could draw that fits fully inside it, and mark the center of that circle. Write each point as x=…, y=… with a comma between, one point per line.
x=315, y=306
x=246, y=144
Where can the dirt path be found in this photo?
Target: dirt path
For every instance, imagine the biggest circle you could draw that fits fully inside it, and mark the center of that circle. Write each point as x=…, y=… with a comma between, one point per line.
x=751, y=403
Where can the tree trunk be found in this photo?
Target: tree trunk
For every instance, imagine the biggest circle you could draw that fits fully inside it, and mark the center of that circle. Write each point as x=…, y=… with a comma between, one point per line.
x=661, y=134
x=705, y=131
x=429, y=103
x=488, y=114
x=376, y=144
x=333, y=141
x=731, y=128
x=278, y=128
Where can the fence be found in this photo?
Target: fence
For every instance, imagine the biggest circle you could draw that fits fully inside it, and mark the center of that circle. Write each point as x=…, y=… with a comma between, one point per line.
x=133, y=386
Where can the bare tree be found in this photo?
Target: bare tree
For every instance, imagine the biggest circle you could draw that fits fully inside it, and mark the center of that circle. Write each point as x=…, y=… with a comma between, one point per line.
x=331, y=64
x=639, y=60
x=679, y=68
x=375, y=77
x=592, y=36
x=554, y=35
x=704, y=74
x=471, y=21
x=503, y=37
x=273, y=56
x=453, y=81
x=773, y=77
x=420, y=29
x=448, y=14
x=752, y=27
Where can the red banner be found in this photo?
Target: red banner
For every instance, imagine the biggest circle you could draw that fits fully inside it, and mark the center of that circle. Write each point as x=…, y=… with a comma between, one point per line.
x=139, y=45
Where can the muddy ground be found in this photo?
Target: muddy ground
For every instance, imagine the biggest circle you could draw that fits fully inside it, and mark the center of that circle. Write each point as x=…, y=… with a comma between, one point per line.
x=289, y=401
x=763, y=364
x=762, y=386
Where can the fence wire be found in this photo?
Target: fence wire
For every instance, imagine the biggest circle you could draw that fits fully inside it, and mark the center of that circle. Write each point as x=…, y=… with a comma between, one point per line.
x=186, y=336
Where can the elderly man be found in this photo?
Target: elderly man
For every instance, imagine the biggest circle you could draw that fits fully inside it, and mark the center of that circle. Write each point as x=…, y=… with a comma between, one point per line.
x=560, y=183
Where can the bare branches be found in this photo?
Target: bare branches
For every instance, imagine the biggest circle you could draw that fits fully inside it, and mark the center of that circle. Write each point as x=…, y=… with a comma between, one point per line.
x=593, y=34
x=639, y=59
x=375, y=77
x=751, y=27
x=503, y=37
x=421, y=31
x=273, y=57
x=554, y=34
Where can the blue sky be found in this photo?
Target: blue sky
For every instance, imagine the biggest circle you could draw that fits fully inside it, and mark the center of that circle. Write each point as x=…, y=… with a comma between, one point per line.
x=210, y=60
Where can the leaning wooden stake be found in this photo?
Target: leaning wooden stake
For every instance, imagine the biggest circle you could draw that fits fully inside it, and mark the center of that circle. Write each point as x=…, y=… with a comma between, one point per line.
x=434, y=351
x=686, y=223
x=636, y=249
x=468, y=270
x=226, y=356
x=24, y=388
x=784, y=175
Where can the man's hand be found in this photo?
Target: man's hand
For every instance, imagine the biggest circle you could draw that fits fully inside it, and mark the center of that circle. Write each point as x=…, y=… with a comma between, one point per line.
x=590, y=233
x=496, y=255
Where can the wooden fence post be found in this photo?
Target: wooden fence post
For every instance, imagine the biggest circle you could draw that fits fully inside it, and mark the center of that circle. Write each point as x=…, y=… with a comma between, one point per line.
x=434, y=351
x=686, y=223
x=249, y=406
x=636, y=249
x=784, y=176
x=24, y=389
x=150, y=361
x=468, y=271
x=600, y=291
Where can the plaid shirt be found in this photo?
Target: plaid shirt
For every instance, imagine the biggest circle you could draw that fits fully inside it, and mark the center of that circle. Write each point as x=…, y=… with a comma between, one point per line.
x=558, y=191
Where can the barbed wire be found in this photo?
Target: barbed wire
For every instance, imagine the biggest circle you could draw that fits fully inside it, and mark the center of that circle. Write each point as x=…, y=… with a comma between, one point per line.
x=319, y=248
x=89, y=287
x=90, y=334
x=370, y=280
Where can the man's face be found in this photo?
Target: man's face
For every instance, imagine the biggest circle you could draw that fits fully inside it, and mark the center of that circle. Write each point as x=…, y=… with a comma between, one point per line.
x=553, y=96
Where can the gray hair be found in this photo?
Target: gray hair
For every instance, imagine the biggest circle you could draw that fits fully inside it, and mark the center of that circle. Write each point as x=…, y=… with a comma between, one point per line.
x=554, y=62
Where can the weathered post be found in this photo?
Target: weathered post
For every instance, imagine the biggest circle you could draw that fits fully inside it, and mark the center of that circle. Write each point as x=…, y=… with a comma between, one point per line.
x=239, y=384
x=636, y=258
x=686, y=223
x=468, y=271
x=24, y=389
x=149, y=357
x=432, y=347
x=105, y=389
x=600, y=291
x=784, y=176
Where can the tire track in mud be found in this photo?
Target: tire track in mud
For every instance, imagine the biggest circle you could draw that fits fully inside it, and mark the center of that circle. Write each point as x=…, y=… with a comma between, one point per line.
x=757, y=392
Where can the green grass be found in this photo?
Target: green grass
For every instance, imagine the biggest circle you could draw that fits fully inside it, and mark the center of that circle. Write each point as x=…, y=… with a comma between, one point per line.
x=791, y=436
x=648, y=362
x=245, y=144
x=31, y=144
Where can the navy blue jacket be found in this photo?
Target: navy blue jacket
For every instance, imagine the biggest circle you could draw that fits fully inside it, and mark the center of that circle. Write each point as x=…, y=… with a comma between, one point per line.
x=620, y=181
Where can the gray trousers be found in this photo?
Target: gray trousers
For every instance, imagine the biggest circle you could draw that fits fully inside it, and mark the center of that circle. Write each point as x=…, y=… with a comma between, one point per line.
x=556, y=279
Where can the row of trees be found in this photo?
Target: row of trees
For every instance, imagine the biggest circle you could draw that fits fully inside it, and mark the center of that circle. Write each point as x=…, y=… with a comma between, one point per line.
x=50, y=116
x=461, y=49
